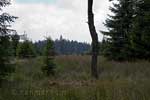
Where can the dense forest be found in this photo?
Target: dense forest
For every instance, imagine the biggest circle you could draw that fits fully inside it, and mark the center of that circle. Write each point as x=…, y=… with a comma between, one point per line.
x=65, y=47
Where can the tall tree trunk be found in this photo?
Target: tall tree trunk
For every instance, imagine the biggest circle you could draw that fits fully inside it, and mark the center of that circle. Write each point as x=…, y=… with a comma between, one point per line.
x=94, y=37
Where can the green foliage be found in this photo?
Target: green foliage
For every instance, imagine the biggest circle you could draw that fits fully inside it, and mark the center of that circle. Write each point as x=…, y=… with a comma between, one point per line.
x=26, y=49
x=49, y=65
x=6, y=66
x=65, y=47
x=15, y=41
x=119, y=25
x=5, y=20
x=128, y=33
x=140, y=33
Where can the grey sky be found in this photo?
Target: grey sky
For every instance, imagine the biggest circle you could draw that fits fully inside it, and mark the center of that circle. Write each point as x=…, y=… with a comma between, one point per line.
x=62, y=17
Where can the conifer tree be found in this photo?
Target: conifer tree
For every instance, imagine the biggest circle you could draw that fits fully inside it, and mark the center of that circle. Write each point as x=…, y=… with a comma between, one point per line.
x=5, y=20
x=140, y=34
x=49, y=65
x=119, y=25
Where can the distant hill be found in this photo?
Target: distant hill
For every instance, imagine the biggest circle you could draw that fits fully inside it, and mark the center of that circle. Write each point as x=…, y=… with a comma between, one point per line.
x=65, y=47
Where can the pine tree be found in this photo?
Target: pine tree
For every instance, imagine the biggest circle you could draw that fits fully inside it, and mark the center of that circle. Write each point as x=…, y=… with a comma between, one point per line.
x=119, y=25
x=49, y=65
x=5, y=20
x=140, y=34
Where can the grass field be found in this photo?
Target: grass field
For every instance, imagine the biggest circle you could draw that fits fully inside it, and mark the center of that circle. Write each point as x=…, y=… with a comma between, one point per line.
x=72, y=81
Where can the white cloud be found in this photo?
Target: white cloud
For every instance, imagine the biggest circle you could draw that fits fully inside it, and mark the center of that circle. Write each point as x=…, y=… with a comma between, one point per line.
x=66, y=17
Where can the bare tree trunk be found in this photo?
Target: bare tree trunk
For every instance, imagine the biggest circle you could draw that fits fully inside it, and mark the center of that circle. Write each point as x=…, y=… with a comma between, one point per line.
x=95, y=48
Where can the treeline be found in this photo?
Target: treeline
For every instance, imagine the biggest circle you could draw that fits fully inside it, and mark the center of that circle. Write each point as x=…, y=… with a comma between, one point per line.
x=65, y=47
x=28, y=49
x=128, y=35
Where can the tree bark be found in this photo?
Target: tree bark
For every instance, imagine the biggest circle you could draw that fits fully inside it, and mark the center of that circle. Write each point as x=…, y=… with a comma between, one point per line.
x=94, y=36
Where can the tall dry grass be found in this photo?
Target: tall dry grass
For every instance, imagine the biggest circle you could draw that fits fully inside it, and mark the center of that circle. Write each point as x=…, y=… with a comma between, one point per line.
x=78, y=67
x=117, y=81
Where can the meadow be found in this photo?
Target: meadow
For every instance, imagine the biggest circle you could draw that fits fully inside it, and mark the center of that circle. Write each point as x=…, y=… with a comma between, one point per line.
x=72, y=80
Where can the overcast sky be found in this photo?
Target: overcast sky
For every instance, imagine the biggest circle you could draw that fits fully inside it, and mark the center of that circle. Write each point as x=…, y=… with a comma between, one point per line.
x=41, y=18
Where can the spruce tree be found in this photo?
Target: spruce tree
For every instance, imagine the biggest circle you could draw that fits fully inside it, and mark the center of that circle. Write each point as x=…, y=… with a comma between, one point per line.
x=49, y=65
x=140, y=34
x=5, y=20
x=119, y=25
